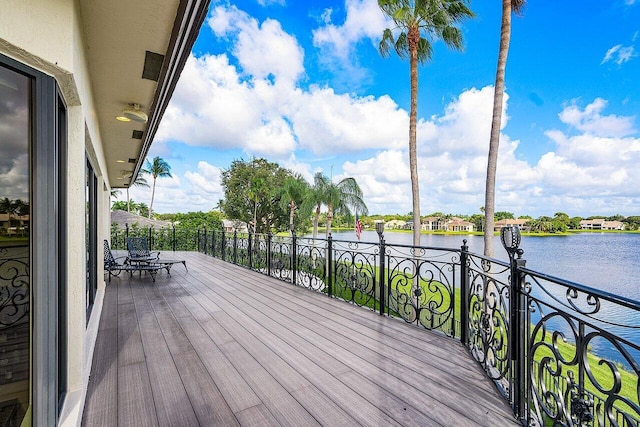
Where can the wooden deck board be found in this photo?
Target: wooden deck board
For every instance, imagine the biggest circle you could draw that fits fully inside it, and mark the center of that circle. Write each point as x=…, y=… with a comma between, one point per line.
x=222, y=345
x=173, y=406
x=394, y=370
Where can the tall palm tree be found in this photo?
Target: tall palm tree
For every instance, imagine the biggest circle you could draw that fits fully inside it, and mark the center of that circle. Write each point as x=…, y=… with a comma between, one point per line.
x=508, y=6
x=436, y=19
x=158, y=168
x=140, y=181
x=292, y=194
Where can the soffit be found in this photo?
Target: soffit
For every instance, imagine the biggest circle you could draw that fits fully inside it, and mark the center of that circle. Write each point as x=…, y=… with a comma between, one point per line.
x=118, y=33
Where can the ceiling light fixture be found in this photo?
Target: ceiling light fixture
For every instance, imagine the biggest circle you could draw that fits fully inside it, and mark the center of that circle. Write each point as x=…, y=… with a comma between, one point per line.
x=119, y=161
x=133, y=112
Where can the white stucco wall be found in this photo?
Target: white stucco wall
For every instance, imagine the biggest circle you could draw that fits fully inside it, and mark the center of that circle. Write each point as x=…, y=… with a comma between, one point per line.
x=46, y=35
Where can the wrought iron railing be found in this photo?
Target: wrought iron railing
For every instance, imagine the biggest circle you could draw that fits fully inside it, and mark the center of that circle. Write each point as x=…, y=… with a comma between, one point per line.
x=561, y=353
x=160, y=239
x=15, y=298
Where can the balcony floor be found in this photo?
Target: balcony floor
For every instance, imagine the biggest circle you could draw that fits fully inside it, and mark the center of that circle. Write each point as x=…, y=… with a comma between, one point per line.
x=222, y=345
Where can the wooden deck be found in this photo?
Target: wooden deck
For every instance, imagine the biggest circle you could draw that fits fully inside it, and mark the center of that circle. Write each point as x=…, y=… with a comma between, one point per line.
x=222, y=345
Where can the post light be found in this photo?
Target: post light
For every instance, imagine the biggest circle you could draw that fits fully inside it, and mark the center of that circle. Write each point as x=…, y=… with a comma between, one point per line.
x=510, y=237
x=380, y=228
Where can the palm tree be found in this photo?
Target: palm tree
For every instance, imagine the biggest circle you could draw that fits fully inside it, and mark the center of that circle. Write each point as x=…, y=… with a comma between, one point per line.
x=158, y=168
x=140, y=181
x=508, y=6
x=340, y=198
x=6, y=206
x=436, y=19
x=10, y=207
x=315, y=199
x=292, y=194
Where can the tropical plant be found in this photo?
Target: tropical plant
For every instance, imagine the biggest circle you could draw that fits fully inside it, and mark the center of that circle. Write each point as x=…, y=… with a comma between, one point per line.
x=508, y=6
x=315, y=199
x=435, y=19
x=292, y=195
x=340, y=198
x=140, y=181
x=158, y=168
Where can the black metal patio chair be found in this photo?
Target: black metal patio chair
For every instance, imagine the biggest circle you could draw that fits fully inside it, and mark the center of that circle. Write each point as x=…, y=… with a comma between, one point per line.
x=114, y=268
x=139, y=253
x=138, y=248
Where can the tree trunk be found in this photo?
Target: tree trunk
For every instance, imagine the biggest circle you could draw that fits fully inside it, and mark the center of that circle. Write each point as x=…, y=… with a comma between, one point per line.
x=492, y=164
x=153, y=194
x=414, y=36
x=128, y=201
x=315, y=224
x=292, y=212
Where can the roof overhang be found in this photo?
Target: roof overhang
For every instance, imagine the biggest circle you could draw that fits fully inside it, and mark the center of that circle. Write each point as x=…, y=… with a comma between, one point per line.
x=136, y=51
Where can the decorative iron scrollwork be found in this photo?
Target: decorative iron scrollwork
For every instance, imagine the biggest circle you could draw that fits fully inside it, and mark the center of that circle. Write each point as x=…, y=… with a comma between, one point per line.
x=581, y=408
x=14, y=289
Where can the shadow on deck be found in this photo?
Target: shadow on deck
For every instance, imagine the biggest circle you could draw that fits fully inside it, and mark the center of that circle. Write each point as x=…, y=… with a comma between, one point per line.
x=222, y=345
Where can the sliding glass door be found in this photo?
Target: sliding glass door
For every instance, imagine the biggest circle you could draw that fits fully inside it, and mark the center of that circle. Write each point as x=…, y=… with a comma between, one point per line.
x=33, y=281
x=15, y=254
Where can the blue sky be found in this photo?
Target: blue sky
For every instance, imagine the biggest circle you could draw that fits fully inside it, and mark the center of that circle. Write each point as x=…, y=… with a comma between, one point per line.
x=302, y=84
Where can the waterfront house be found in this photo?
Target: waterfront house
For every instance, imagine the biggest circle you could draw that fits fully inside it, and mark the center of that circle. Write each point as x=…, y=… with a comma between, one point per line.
x=83, y=87
x=395, y=224
x=432, y=223
x=14, y=224
x=510, y=222
x=457, y=224
x=601, y=224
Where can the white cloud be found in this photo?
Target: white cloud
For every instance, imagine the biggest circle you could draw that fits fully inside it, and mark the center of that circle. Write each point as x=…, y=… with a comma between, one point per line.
x=200, y=190
x=270, y=2
x=452, y=158
x=590, y=120
x=325, y=122
x=263, y=50
x=619, y=54
x=206, y=180
x=364, y=19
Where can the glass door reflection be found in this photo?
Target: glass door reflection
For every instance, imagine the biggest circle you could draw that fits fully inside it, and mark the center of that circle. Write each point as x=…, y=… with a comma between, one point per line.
x=15, y=339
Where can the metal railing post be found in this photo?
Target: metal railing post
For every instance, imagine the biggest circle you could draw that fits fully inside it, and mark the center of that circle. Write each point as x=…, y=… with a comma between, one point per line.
x=269, y=254
x=250, y=248
x=198, y=241
x=382, y=273
x=213, y=243
x=518, y=337
x=223, y=246
x=205, y=240
x=464, y=294
x=294, y=250
x=235, y=246
x=329, y=265
x=174, y=238
x=150, y=237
